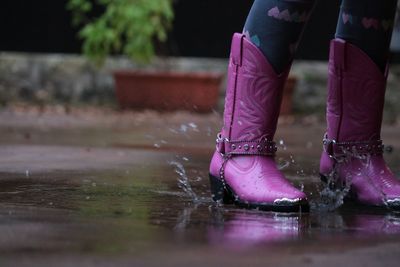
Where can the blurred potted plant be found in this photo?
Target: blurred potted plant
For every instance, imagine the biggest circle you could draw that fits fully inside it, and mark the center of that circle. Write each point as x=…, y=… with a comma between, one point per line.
x=132, y=28
x=287, y=97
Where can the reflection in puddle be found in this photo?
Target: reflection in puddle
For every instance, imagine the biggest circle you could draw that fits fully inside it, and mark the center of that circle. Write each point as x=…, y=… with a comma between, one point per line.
x=374, y=224
x=239, y=229
x=184, y=219
x=245, y=229
x=135, y=212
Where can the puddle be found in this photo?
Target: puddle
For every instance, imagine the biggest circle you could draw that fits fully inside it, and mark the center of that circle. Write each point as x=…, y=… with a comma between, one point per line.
x=153, y=195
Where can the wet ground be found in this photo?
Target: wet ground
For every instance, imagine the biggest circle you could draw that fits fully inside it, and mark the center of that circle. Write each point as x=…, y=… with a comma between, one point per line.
x=107, y=189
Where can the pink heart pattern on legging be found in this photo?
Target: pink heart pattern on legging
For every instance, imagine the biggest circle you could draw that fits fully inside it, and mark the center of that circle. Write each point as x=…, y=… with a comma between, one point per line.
x=347, y=18
x=367, y=23
x=285, y=15
x=370, y=22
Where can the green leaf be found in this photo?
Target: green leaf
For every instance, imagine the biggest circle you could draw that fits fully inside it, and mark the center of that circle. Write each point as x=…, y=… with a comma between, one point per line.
x=126, y=26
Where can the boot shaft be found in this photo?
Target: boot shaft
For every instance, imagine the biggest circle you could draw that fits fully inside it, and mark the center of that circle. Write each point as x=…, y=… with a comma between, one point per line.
x=356, y=92
x=254, y=94
x=243, y=169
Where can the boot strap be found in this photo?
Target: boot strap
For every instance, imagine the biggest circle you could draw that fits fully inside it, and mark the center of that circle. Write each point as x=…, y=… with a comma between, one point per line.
x=228, y=147
x=335, y=149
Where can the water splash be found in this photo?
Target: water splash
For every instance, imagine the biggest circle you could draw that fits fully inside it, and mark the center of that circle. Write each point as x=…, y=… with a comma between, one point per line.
x=183, y=181
x=283, y=164
x=282, y=144
x=334, y=189
x=337, y=185
x=193, y=126
x=184, y=128
x=331, y=196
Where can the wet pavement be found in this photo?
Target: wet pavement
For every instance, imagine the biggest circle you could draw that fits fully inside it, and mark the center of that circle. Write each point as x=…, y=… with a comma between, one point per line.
x=131, y=189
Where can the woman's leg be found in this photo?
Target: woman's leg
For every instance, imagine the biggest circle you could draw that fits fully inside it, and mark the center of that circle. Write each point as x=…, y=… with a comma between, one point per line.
x=276, y=26
x=368, y=24
x=243, y=169
x=356, y=94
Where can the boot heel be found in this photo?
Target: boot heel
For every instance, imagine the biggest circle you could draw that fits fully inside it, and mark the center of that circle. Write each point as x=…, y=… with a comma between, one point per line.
x=218, y=192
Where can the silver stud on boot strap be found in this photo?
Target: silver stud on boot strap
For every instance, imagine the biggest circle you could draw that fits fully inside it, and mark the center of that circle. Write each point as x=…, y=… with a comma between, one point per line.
x=334, y=148
x=228, y=147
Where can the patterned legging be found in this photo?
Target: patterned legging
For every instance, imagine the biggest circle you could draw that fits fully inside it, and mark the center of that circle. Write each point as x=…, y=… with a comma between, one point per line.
x=276, y=26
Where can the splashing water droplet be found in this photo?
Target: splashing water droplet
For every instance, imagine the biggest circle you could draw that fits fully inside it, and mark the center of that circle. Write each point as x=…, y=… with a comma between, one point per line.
x=183, y=181
x=183, y=128
x=172, y=130
x=192, y=124
x=302, y=187
x=337, y=186
x=282, y=144
x=282, y=164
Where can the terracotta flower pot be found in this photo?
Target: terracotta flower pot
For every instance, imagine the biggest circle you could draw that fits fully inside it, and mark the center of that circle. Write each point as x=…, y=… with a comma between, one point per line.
x=167, y=90
x=287, y=98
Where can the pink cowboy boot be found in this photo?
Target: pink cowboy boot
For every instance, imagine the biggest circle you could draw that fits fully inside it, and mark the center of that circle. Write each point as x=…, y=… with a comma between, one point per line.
x=243, y=169
x=352, y=146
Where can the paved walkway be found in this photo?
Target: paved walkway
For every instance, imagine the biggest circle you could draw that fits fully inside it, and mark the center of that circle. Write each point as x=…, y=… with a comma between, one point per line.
x=102, y=188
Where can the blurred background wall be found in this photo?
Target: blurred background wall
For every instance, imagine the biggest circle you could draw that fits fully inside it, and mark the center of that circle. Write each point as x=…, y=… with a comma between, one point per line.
x=52, y=71
x=202, y=28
